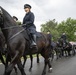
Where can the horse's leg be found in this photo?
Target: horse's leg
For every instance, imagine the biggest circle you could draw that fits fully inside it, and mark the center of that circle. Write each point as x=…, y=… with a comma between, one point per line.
x=45, y=66
x=69, y=50
x=8, y=59
x=1, y=58
x=57, y=54
x=38, y=58
x=12, y=64
x=25, y=58
x=31, y=58
x=46, y=62
x=73, y=50
x=20, y=66
x=52, y=55
x=49, y=59
x=50, y=66
x=66, y=53
x=15, y=69
x=62, y=52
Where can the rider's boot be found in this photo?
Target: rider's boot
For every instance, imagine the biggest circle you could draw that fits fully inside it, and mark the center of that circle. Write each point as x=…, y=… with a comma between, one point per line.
x=33, y=44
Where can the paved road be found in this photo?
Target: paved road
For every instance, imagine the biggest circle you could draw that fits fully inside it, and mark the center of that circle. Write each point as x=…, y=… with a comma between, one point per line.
x=64, y=66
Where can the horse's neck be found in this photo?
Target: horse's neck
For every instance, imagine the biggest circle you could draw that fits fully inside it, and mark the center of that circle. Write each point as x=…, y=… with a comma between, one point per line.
x=8, y=33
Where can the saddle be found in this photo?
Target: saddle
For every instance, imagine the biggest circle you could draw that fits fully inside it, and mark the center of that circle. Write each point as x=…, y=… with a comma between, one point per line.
x=27, y=36
x=38, y=34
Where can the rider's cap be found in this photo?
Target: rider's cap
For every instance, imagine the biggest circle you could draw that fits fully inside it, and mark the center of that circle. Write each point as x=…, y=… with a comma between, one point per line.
x=63, y=33
x=15, y=17
x=27, y=6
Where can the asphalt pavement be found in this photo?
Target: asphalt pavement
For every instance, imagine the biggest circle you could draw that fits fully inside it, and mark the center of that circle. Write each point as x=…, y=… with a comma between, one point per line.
x=64, y=66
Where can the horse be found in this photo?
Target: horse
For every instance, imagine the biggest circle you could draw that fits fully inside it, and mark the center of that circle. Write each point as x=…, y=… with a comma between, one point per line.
x=51, y=54
x=18, y=44
x=67, y=48
x=56, y=47
x=3, y=51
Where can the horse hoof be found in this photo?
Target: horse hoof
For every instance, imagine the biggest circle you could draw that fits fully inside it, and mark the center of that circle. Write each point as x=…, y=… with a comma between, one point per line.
x=44, y=73
x=30, y=70
x=38, y=62
x=16, y=72
x=23, y=66
x=50, y=70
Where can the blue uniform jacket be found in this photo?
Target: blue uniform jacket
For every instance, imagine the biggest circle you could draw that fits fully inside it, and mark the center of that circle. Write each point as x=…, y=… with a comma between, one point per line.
x=29, y=20
x=63, y=37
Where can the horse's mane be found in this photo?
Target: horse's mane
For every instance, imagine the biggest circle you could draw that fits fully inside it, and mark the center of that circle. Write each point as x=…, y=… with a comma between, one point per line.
x=8, y=17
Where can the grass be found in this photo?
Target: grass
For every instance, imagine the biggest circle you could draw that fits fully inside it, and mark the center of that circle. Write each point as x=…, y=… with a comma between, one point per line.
x=22, y=57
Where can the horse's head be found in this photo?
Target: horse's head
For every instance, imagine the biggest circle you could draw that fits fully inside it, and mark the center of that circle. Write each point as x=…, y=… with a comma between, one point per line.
x=6, y=19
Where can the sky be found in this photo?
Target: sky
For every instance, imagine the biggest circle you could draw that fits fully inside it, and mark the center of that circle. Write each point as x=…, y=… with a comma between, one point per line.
x=44, y=10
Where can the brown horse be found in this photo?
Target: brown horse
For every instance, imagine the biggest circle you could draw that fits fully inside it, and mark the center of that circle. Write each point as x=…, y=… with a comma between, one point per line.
x=19, y=45
x=31, y=58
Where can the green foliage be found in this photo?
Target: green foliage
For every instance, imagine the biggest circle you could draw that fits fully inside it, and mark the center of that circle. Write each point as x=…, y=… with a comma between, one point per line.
x=50, y=26
x=68, y=26
x=18, y=22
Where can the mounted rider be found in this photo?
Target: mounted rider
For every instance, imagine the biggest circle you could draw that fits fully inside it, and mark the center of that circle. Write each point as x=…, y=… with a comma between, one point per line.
x=28, y=23
x=16, y=20
x=63, y=36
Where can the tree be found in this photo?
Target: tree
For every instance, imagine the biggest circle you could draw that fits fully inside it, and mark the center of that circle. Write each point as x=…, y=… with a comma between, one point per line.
x=69, y=27
x=50, y=26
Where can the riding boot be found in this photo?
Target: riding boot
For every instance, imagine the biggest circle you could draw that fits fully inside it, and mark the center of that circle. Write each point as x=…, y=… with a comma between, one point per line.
x=33, y=44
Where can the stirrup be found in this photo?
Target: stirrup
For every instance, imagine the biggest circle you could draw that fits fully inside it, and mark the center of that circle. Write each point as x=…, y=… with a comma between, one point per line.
x=33, y=44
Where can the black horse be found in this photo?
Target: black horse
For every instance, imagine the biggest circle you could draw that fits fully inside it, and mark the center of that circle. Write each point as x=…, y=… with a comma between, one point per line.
x=66, y=48
x=69, y=49
x=3, y=51
x=56, y=49
x=18, y=44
